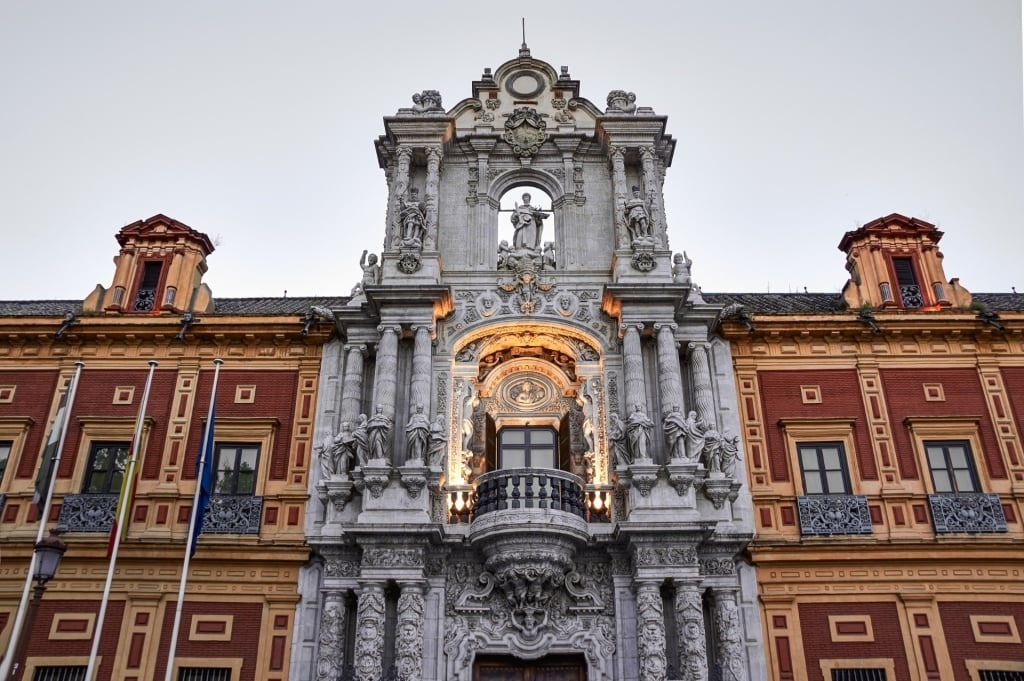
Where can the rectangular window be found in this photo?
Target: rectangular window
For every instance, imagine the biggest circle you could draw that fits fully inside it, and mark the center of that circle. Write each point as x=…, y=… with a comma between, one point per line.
x=527, y=447
x=823, y=466
x=866, y=674
x=910, y=292
x=234, y=468
x=145, y=297
x=5, y=455
x=204, y=674
x=952, y=467
x=107, y=461
x=70, y=673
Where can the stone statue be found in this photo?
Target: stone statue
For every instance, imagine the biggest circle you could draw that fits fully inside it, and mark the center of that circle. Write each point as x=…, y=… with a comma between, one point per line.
x=506, y=261
x=529, y=225
x=713, y=451
x=694, y=432
x=427, y=101
x=681, y=268
x=588, y=468
x=638, y=433
x=729, y=449
x=325, y=451
x=674, y=426
x=438, y=442
x=361, y=437
x=412, y=217
x=378, y=428
x=617, y=438
x=469, y=405
x=638, y=219
x=621, y=102
x=371, y=270
x=549, y=255
x=417, y=432
x=340, y=453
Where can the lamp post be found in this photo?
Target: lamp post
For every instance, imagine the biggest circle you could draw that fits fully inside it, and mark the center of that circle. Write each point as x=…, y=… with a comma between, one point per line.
x=49, y=551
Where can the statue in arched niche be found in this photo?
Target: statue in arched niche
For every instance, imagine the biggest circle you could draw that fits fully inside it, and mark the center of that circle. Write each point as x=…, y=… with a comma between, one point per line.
x=528, y=221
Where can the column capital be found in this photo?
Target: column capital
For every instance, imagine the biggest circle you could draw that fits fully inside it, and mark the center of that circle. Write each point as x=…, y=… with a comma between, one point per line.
x=356, y=347
x=670, y=326
x=434, y=153
x=647, y=152
x=404, y=152
x=384, y=328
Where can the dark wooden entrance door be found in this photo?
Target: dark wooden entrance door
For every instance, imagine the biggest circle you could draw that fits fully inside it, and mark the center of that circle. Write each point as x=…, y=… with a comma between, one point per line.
x=551, y=668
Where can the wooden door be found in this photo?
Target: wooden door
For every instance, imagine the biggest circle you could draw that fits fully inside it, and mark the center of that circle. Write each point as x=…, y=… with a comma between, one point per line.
x=552, y=668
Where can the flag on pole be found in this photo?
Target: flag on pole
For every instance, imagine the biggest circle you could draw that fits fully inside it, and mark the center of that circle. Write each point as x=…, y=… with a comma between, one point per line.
x=49, y=454
x=125, y=496
x=204, y=478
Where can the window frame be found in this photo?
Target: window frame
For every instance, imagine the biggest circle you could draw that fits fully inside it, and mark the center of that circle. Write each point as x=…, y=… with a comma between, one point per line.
x=14, y=429
x=926, y=429
x=527, y=447
x=109, y=487
x=239, y=448
x=6, y=451
x=949, y=469
x=822, y=471
x=797, y=431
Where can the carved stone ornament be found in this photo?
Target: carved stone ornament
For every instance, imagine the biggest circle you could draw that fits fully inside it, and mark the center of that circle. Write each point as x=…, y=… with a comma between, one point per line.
x=525, y=131
x=652, y=556
x=621, y=102
x=427, y=101
x=717, y=566
x=409, y=263
x=391, y=557
x=341, y=568
x=643, y=261
x=526, y=286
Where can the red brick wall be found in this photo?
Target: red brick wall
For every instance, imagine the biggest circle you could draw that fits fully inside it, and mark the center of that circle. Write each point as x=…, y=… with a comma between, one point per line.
x=904, y=395
x=245, y=635
x=841, y=398
x=956, y=625
x=1013, y=380
x=39, y=637
x=33, y=397
x=95, y=397
x=818, y=644
x=275, y=397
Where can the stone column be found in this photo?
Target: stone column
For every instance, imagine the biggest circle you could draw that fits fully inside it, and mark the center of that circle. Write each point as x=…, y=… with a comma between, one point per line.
x=409, y=634
x=693, y=655
x=431, y=198
x=650, y=617
x=352, y=388
x=399, y=187
x=330, y=656
x=419, y=389
x=670, y=381
x=369, y=649
x=618, y=158
x=729, y=637
x=385, y=379
x=633, y=364
x=702, y=393
x=652, y=192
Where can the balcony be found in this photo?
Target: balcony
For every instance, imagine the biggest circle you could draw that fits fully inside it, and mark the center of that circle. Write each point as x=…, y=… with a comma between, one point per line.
x=971, y=513
x=829, y=514
x=529, y=488
x=225, y=515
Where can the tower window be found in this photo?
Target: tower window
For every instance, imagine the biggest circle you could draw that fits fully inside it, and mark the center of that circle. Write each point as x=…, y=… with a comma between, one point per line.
x=910, y=292
x=145, y=297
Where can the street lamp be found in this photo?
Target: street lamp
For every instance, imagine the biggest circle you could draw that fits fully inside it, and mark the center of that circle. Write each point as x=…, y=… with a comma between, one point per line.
x=48, y=552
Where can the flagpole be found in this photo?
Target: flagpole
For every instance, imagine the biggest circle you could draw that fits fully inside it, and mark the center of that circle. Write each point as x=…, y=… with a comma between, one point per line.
x=122, y=518
x=44, y=515
x=191, y=523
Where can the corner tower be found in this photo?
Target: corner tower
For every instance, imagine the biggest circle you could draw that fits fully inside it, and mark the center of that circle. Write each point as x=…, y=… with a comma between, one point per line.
x=528, y=428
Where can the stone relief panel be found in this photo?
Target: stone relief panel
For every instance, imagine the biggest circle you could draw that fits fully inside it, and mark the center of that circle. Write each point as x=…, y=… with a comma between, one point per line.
x=530, y=612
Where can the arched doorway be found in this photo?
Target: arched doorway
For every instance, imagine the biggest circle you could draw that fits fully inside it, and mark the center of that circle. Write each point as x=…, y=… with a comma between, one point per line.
x=549, y=668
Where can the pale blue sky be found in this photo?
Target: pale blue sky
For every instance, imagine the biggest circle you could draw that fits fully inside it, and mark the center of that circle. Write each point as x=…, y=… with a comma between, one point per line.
x=254, y=122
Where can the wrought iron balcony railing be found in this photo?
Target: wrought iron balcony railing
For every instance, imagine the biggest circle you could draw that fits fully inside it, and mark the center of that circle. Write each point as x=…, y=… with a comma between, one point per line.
x=967, y=513
x=225, y=515
x=828, y=514
x=519, y=488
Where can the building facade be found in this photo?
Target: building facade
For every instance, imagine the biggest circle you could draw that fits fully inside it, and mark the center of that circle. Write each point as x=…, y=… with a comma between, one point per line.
x=883, y=430
x=239, y=608
x=530, y=461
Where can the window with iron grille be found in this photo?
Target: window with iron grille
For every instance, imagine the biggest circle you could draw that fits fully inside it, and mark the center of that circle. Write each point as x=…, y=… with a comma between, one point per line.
x=145, y=297
x=863, y=674
x=204, y=674
x=823, y=466
x=5, y=454
x=952, y=467
x=910, y=291
x=235, y=466
x=70, y=673
x=1000, y=675
x=107, y=461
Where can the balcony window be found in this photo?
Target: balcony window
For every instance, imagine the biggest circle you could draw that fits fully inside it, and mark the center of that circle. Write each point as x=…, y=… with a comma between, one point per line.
x=823, y=466
x=952, y=467
x=235, y=467
x=107, y=461
x=527, y=447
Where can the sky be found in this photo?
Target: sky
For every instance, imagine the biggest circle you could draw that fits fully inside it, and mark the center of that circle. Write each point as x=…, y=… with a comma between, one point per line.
x=254, y=120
